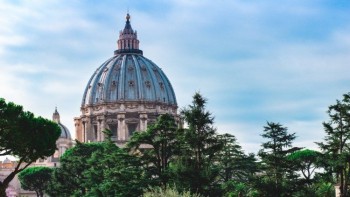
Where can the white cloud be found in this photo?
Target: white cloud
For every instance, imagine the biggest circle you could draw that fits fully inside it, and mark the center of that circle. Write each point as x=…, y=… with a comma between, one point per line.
x=253, y=61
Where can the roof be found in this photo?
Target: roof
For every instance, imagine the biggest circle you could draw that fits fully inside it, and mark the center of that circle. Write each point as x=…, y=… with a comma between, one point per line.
x=128, y=76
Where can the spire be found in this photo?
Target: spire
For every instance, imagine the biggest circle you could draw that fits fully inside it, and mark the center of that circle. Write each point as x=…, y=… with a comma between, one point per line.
x=128, y=42
x=56, y=116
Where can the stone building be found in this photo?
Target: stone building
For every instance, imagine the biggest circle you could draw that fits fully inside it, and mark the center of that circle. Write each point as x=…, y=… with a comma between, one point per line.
x=125, y=94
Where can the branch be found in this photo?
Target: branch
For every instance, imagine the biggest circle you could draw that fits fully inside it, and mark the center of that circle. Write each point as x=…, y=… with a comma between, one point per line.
x=5, y=153
x=17, y=169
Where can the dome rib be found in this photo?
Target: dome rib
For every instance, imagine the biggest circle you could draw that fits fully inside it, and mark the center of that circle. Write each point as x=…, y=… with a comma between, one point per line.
x=108, y=81
x=138, y=76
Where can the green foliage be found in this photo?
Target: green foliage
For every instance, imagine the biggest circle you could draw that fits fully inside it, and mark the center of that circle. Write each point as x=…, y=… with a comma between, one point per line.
x=336, y=145
x=195, y=169
x=233, y=163
x=306, y=161
x=97, y=169
x=114, y=172
x=168, y=192
x=25, y=136
x=157, y=146
x=324, y=190
x=69, y=179
x=35, y=179
x=235, y=168
x=278, y=177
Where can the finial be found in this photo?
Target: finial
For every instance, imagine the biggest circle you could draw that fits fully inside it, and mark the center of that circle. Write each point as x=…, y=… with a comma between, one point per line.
x=127, y=16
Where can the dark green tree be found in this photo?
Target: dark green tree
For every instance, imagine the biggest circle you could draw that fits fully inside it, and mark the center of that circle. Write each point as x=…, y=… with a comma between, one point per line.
x=69, y=178
x=196, y=169
x=237, y=170
x=157, y=147
x=306, y=161
x=113, y=172
x=98, y=169
x=336, y=145
x=35, y=179
x=24, y=136
x=278, y=175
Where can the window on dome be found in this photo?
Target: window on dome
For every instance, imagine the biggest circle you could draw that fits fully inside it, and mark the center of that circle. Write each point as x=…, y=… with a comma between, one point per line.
x=131, y=83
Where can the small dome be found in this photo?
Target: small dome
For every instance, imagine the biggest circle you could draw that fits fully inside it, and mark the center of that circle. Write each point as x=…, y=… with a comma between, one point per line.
x=64, y=130
x=6, y=161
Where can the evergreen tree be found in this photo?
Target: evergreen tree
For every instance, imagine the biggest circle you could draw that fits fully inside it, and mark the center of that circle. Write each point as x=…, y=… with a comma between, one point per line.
x=113, y=172
x=236, y=169
x=278, y=175
x=35, y=179
x=69, y=179
x=196, y=167
x=24, y=136
x=336, y=145
x=157, y=147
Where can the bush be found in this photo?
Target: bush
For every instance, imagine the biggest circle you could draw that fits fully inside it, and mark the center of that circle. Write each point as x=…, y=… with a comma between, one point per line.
x=168, y=192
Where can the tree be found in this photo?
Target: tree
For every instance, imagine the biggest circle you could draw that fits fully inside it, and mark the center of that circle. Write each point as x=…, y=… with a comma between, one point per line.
x=113, y=172
x=168, y=192
x=337, y=139
x=158, y=146
x=196, y=167
x=24, y=136
x=236, y=169
x=97, y=169
x=274, y=160
x=35, y=179
x=69, y=178
x=307, y=161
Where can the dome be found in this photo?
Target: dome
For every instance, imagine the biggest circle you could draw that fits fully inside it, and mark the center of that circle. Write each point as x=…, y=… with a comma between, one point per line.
x=125, y=94
x=128, y=76
x=64, y=130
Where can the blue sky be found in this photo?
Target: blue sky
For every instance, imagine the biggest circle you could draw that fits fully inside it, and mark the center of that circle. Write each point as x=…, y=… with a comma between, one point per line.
x=255, y=61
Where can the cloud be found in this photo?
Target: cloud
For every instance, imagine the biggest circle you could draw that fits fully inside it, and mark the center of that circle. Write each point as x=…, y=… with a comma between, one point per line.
x=254, y=61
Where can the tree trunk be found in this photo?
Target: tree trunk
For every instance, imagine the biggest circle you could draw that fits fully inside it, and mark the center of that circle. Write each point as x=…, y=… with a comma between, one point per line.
x=2, y=190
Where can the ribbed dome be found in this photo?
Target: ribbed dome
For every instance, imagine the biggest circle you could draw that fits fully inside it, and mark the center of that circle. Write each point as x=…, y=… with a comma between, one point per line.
x=64, y=130
x=125, y=94
x=128, y=76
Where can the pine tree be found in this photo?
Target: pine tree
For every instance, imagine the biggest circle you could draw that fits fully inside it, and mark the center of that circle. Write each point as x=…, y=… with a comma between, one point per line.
x=337, y=140
x=274, y=160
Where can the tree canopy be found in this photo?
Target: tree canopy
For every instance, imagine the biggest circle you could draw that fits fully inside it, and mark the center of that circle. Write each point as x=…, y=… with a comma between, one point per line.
x=24, y=136
x=35, y=179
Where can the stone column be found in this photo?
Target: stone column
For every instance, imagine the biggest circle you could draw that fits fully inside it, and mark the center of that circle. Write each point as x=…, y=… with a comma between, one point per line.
x=121, y=127
x=88, y=128
x=99, y=130
x=83, y=133
x=78, y=128
x=103, y=127
x=143, y=121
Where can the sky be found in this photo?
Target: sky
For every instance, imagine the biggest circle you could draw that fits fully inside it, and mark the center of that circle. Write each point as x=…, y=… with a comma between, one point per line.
x=255, y=61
